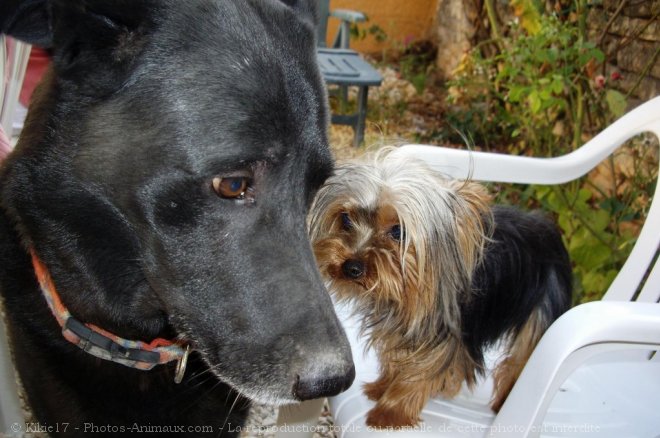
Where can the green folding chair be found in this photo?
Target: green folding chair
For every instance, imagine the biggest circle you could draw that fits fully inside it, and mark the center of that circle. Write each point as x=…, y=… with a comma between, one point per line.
x=344, y=67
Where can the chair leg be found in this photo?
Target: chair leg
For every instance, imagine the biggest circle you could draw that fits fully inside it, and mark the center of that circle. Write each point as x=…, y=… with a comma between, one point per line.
x=343, y=96
x=363, y=96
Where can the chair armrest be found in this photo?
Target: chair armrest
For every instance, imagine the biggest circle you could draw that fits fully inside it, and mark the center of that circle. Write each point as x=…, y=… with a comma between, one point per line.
x=580, y=334
x=348, y=15
x=482, y=166
x=342, y=39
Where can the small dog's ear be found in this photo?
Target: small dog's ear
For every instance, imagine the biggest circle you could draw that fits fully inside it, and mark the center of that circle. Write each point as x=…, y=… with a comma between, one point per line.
x=475, y=220
x=462, y=236
x=27, y=20
x=97, y=41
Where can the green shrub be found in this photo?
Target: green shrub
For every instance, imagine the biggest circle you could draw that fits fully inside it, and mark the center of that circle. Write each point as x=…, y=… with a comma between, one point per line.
x=535, y=93
x=539, y=95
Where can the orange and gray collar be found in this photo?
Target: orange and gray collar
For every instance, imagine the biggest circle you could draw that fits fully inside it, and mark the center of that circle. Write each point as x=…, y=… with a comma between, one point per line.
x=105, y=345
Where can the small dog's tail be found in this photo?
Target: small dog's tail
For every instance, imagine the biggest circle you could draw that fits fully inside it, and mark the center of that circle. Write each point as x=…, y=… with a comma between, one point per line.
x=556, y=301
x=520, y=348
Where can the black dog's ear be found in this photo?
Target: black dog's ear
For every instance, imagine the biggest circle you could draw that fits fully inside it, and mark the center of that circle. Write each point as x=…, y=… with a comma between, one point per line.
x=97, y=41
x=27, y=20
x=306, y=9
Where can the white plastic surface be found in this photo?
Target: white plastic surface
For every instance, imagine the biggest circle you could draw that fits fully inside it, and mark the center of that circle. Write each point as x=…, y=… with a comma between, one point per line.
x=10, y=408
x=466, y=416
x=485, y=166
x=14, y=57
x=13, y=61
x=612, y=388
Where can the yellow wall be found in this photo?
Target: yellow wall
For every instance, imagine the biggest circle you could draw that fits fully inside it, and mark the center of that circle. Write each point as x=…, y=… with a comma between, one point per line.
x=400, y=19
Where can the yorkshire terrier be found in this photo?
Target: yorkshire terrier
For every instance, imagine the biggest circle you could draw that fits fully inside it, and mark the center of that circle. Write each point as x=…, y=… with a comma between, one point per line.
x=439, y=276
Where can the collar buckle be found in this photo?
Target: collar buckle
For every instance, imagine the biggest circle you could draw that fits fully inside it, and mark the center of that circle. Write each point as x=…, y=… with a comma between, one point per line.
x=181, y=366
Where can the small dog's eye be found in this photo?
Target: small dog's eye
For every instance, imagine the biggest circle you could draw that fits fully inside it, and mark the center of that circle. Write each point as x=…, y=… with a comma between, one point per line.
x=346, y=222
x=231, y=187
x=395, y=233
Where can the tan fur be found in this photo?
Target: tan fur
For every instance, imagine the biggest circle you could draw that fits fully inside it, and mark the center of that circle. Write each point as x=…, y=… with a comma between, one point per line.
x=519, y=350
x=411, y=291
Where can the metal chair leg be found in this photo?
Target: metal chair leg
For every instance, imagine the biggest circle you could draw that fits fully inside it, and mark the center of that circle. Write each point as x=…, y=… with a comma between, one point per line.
x=363, y=96
x=343, y=97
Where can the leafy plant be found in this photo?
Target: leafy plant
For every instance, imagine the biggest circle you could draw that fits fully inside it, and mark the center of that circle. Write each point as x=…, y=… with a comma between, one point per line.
x=539, y=95
x=599, y=222
x=417, y=62
x=536, y=93
x=361, y=32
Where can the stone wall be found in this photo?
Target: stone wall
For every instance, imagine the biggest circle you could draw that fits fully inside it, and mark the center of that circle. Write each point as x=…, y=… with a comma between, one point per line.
x=630, y=37
x=456, y=24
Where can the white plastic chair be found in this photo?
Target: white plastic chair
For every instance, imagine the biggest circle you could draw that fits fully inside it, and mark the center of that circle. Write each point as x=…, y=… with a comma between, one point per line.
x=595, y=371
x=13, y=61
x=14, y=56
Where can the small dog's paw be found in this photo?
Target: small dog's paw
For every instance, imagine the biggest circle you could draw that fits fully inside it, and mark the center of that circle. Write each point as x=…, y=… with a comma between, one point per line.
x=382, y=418
x=496, y=404
x=375, y=390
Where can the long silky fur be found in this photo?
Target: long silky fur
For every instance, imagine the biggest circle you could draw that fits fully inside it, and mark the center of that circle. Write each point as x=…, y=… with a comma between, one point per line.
x=463, y=276
x=446, y=226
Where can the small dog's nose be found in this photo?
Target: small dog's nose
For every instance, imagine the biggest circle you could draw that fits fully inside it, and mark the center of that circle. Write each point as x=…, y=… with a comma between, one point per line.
x=307, y=388
x=353, y=269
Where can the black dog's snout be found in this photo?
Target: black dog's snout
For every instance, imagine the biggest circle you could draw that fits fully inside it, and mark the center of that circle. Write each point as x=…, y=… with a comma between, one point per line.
x=353, y=269
x=307, y=388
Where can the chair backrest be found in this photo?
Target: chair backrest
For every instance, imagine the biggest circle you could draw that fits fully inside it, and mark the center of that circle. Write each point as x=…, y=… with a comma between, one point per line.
x=322, y=29
x=639, y=279
x=14, y=57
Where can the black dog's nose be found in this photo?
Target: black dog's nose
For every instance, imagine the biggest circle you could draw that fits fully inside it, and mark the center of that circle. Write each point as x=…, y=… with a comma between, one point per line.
x=308, y=388
x=353, y=269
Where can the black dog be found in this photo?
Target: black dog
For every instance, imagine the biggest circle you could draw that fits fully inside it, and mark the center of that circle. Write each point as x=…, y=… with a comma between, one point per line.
x=159, y=192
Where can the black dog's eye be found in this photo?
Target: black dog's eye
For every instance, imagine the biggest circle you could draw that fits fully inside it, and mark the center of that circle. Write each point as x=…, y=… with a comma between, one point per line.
x=234, y=187
x=346, y=222
x=395, y=233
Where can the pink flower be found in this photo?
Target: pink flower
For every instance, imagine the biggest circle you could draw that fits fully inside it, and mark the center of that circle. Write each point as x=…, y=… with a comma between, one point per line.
x=600, y=81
